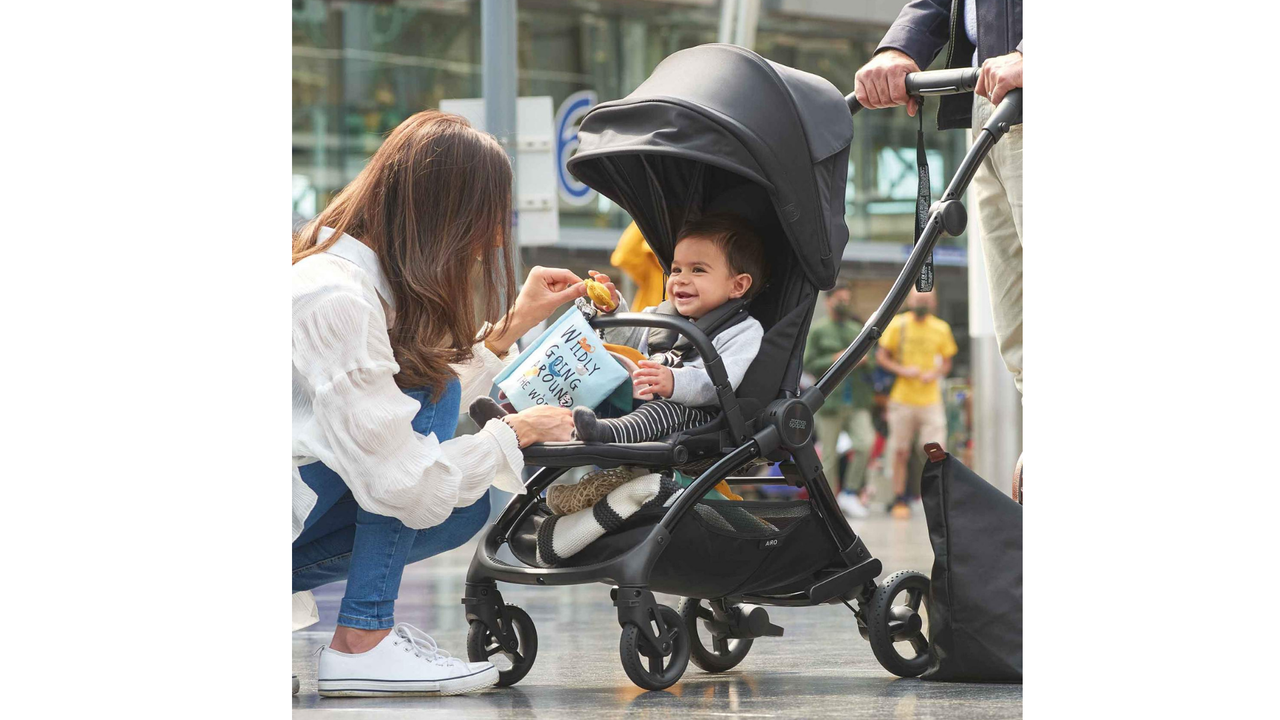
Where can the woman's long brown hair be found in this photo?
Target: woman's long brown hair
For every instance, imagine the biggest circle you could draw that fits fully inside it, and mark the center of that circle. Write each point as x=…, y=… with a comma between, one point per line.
x=435, y=197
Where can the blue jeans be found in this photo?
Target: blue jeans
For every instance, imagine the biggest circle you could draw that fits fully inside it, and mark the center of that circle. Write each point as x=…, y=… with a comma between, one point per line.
x=341, y=540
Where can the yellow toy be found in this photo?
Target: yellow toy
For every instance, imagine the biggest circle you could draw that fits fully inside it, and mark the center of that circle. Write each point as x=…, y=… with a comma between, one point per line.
x=600, y=295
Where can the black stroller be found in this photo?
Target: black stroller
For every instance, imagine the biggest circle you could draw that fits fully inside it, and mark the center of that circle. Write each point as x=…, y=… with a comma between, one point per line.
x=718, y=126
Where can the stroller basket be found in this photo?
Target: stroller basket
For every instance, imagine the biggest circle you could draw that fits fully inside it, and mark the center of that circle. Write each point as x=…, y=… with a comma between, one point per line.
x=722, y=548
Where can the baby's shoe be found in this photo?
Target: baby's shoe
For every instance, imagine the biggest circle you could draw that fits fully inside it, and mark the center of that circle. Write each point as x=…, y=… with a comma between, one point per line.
x=485, y=409
x=406, y=662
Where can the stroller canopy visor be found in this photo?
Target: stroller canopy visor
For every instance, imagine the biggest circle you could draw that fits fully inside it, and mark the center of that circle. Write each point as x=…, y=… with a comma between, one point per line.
x=710, y=118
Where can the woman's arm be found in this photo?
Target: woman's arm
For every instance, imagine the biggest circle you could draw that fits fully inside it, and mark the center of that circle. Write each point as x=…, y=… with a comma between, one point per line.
x=543, y=291
x=366, y=421
x=477, y=374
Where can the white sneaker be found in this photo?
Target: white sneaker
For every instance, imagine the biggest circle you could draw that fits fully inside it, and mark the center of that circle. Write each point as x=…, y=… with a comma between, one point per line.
x=851, y=506
x=406, y=662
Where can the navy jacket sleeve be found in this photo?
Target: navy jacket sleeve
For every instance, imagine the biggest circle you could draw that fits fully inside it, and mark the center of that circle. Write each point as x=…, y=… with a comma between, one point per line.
x=922, y=29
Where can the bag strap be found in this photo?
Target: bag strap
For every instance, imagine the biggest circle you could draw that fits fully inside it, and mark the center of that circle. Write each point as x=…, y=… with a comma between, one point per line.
x=924, y=283
x=902, y=341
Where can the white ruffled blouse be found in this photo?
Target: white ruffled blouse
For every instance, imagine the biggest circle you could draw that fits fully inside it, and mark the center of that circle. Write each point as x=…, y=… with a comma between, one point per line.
x=349, y=414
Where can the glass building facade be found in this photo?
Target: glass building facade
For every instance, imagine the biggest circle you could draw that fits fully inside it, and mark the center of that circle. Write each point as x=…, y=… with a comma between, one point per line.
x=360, y=68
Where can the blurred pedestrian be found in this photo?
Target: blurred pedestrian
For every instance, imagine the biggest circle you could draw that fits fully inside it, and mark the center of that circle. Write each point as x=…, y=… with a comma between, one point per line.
x=917, y=347
x=848, y=409
x=634, y=257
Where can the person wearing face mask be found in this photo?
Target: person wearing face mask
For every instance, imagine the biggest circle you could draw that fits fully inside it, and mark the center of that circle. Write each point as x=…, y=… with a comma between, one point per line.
x=848, y=409
x=917, y=347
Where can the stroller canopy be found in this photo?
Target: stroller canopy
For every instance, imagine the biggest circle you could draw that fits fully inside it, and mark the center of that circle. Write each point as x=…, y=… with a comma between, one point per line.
x=717, y=127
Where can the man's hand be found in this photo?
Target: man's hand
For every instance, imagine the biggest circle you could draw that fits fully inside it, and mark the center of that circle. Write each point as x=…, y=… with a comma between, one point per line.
x=908, y=372
x=653, y=379
x=881, y=83
x=928, y=377
x=1000, y=75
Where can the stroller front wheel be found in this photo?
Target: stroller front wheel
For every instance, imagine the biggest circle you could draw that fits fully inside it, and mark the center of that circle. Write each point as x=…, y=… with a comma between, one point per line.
x=899, y=632
x=724, y=652
x=512, y=665
x=665, y=665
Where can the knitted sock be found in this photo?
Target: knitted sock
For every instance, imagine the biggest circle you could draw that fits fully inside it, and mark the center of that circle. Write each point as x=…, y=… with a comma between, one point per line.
x=562, y=536
x=589, y=428
x=485, y=409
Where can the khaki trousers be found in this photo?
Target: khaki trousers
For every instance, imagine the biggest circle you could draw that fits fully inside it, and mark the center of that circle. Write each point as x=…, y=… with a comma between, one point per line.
x=997, y=190
x=856, y=422
x=907, y=421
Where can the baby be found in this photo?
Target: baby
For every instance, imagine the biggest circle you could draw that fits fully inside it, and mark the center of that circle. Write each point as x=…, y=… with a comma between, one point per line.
x=717, y=259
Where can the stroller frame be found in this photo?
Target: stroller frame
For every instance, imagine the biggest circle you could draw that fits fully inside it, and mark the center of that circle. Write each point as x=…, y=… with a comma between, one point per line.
x=781, y=432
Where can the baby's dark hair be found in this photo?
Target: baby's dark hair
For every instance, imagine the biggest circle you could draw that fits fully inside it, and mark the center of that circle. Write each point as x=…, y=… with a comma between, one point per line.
x=740, y=244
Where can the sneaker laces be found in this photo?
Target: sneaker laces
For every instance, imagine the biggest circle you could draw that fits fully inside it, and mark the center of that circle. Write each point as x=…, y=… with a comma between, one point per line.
x=423, y=645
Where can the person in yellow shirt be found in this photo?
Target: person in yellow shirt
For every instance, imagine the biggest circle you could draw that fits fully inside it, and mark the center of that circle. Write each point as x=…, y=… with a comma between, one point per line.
x=917, y=347
x=634, y=257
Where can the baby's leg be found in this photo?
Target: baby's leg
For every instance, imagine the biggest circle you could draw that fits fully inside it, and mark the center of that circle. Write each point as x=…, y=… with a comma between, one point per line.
x=651, y=421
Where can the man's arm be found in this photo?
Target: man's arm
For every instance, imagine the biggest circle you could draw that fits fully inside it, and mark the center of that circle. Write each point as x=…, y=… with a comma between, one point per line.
x=941, y=371
x=886, y=361
x=923, y=27
x=884, y=351
x=947, y=349
x=921, y=31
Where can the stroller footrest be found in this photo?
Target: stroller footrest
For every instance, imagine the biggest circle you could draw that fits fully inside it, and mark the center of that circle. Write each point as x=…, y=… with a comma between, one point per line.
x=841, y=583
x=606, y=455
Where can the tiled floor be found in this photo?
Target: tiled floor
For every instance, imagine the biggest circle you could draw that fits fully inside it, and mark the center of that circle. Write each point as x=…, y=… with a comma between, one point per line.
x=820, y=668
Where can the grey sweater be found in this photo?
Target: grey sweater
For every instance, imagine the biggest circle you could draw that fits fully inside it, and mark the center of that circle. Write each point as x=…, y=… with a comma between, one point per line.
x=692, y=385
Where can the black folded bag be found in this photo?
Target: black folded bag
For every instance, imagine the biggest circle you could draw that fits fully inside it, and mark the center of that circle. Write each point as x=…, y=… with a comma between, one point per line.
x=975, y=606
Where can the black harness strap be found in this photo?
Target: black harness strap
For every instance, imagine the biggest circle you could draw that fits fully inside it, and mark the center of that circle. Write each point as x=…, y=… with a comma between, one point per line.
x=677, y=346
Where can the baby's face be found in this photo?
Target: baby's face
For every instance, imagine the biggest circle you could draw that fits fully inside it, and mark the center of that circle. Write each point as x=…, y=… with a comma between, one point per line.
x=701, y=280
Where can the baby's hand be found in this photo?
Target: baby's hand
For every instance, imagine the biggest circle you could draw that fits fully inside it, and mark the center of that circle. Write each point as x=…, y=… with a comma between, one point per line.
x=608, y=284
x=652, y=379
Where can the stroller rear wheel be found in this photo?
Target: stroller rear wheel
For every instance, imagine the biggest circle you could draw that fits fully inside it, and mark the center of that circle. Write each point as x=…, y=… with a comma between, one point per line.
x=724, y=652
x=899, y=632
x=512, y=665
x=665, y=665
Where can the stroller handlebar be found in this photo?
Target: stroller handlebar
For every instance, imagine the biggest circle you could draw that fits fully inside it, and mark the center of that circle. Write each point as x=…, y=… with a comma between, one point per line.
x=931, y=82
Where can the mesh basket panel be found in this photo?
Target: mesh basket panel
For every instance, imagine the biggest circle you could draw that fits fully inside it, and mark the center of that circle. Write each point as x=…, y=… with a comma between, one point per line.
x=751, y=519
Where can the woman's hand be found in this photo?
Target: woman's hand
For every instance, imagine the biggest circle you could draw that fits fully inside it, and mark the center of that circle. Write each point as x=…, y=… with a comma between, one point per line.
x=653, y=378
x=542, y=423
x=544, y=290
